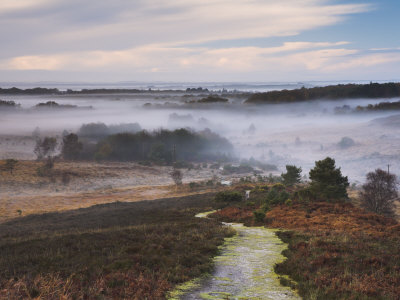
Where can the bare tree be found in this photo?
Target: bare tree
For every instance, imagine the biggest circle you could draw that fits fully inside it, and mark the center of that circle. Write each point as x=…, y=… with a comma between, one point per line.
x=45, y=147
x=379, y=192
x=177, y=176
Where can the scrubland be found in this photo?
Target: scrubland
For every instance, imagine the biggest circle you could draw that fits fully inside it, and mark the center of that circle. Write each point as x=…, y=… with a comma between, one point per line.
x=336, y=250
x=75, y=185
x=113, y=251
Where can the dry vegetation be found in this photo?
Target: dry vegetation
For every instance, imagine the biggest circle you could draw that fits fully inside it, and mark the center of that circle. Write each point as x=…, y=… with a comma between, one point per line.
x=88, y=183
x=115, y=251
x=336, y=250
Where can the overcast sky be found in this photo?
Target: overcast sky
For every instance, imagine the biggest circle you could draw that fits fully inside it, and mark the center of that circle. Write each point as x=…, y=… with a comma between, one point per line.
x=199, y=40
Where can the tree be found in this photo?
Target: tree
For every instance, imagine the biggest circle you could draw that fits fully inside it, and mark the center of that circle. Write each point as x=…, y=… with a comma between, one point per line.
x=10, y=165
x=292, y=175
x=327, y=181
x=379, y=192
x=45, y=147
x=177, y=176
x=346, y=142
x=71, y=147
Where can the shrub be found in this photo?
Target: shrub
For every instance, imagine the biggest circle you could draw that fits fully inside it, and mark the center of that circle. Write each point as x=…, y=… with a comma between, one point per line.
x=192, y=185
x=259, y=216
x=304, y=195
x=65, y=178
x=10, y=165
x=228, y=196
x=278, y=187
x=276, y=196
x=379, y=192
x=177, y=176
x=346, y=142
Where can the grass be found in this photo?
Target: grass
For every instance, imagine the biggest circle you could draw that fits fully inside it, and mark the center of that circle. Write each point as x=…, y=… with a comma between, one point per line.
x=336, y=250
x=136, y=250
x=24, y=192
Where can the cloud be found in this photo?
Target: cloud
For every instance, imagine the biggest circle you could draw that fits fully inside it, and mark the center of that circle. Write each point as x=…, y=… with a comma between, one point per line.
x=7, y=6
x=166, y=37
x=325, y=57
x=70, y=25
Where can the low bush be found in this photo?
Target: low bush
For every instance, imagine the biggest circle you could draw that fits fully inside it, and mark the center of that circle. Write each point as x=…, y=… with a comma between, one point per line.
x=259, y=216
x=228, y=196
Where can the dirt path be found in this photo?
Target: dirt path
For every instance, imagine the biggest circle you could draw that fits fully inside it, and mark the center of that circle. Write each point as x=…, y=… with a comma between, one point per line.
x=243, y=270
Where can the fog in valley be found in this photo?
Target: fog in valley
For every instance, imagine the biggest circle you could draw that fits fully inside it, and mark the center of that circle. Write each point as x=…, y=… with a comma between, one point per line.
x=279, y=134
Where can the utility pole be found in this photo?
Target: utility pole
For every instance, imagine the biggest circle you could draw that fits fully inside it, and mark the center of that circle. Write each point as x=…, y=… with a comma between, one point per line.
x=388, y=168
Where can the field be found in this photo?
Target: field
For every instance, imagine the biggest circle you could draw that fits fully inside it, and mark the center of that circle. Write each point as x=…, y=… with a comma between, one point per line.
x=77, y=185
x=134, y=250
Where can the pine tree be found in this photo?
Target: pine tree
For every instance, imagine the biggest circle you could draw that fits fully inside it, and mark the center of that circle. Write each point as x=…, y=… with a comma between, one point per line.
x=327, y=182
x=292, y=175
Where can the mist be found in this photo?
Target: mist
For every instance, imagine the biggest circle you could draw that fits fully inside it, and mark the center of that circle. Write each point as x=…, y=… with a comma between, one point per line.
x=280, y=134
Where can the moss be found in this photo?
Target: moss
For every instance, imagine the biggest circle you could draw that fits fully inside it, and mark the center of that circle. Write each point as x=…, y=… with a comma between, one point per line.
x=183, y=288
x=245, y=268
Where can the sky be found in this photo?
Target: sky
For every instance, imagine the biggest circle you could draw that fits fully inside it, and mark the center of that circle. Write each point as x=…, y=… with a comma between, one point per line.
x=199, y=40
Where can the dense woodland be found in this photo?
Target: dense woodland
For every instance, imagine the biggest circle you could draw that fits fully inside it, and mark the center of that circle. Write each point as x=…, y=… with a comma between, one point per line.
x=127, y=142
x=340, y=91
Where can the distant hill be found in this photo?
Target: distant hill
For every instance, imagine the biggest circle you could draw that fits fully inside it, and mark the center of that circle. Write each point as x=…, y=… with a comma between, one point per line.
x=332, y=92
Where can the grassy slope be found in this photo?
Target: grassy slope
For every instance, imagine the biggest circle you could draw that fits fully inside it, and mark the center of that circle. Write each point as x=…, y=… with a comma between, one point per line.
x=336, y=251
x=120, y=250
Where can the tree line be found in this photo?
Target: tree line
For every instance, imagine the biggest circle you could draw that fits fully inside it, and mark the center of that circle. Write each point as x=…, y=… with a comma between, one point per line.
x=340, y=91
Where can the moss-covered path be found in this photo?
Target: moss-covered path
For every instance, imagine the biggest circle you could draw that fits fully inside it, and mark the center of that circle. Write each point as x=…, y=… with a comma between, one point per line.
x=244, y=269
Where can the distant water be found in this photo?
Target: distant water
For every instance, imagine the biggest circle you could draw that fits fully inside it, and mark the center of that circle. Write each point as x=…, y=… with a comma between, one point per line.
x=213, y=86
